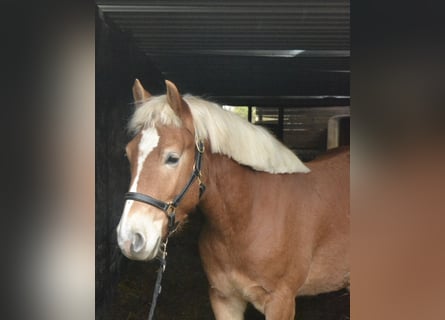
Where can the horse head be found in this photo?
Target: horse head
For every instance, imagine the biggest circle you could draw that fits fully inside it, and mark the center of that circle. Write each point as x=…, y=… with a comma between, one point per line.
x=165, y=184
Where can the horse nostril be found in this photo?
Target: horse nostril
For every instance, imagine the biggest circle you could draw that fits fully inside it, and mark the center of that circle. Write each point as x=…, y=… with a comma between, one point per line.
x=138, y=242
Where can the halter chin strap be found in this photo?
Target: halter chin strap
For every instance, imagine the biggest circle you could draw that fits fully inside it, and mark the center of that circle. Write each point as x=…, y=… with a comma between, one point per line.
x=169, y=208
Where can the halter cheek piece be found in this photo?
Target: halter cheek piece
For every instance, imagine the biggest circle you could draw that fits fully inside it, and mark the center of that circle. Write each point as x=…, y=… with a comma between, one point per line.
x=169, y=208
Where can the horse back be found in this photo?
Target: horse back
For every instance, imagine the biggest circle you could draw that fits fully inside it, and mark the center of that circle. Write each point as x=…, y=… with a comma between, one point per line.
x=330, y=171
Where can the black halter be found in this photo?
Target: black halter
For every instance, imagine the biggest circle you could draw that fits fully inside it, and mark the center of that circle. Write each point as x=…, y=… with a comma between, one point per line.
x=169, y=208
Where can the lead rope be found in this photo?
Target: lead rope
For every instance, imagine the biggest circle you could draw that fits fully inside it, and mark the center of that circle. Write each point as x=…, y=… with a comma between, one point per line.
x=157, y=290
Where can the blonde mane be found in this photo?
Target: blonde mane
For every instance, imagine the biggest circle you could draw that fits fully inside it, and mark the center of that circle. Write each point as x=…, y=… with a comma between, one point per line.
x=227, y=133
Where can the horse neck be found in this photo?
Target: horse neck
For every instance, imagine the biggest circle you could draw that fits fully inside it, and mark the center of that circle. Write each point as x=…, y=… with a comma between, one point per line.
x=227, y=201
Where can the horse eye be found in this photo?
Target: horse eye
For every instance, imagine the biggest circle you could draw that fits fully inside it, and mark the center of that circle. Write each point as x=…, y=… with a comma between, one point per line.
x=172, y=159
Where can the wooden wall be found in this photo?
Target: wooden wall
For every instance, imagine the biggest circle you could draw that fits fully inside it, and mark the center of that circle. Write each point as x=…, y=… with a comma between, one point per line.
x=303, y=129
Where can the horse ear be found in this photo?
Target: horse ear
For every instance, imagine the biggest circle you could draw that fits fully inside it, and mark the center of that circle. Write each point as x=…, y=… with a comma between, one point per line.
x=178, y=105
x=174, y=97
x=140, y=95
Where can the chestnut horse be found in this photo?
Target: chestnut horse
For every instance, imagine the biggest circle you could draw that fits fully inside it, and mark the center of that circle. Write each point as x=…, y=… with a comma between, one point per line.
x=275, y=227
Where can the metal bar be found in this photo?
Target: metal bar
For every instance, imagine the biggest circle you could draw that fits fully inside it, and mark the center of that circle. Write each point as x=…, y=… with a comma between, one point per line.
x=223, y=9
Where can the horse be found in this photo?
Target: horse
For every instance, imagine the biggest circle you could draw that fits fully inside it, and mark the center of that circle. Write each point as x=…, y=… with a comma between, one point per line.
x=275, y=227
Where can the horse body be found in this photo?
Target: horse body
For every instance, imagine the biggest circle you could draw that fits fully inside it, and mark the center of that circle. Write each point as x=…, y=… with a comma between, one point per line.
x=275, y=228
x=274, y=236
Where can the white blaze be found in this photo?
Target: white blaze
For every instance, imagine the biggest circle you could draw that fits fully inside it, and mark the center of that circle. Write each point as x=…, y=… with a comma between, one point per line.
x=149, y=141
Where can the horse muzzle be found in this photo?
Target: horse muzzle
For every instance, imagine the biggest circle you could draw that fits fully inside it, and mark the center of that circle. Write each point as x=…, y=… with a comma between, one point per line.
x=141, y=243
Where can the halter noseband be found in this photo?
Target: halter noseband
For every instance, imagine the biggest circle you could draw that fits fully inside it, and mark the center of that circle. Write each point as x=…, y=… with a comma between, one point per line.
x=169, y=208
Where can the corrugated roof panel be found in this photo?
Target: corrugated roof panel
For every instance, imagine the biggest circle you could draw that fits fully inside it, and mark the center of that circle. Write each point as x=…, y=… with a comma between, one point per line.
x=280, y=47
x=184, y=25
